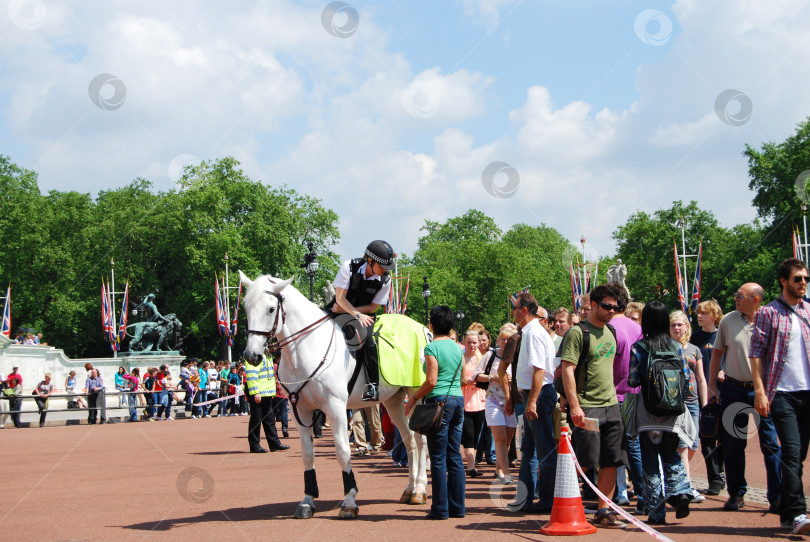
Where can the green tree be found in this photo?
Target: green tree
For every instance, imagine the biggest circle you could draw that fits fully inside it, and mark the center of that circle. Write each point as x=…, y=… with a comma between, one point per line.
x=57, y=248
x=773, y=171
x=730, y=256
x=472, y=265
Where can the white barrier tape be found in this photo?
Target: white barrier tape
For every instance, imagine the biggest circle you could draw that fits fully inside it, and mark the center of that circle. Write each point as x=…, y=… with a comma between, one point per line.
x=218, y=399
x=616, y=508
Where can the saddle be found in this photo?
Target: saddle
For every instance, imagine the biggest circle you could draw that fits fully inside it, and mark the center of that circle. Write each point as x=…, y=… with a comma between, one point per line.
x=400, y=343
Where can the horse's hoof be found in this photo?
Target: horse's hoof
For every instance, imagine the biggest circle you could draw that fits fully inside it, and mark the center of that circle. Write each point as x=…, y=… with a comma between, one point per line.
x=406, y=497
x=348, y=512
x=304, y=511
x=419, y=498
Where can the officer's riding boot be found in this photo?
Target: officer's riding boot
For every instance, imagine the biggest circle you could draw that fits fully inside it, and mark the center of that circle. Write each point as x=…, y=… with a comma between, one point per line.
x=372, y=368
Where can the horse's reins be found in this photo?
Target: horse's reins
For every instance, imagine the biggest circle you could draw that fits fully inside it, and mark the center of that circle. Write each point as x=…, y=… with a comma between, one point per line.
x=292, y=395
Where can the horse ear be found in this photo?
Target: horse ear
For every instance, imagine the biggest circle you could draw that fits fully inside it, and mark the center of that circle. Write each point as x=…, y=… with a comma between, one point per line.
x=245, y=280
x=283, y=284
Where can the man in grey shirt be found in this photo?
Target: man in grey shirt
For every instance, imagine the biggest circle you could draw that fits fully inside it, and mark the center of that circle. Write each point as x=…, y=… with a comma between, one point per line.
x=737, y=395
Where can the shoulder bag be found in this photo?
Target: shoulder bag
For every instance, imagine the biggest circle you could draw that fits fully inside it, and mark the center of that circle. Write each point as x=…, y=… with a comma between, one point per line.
x=426, y=418
x=485, y=385
x=710, y=417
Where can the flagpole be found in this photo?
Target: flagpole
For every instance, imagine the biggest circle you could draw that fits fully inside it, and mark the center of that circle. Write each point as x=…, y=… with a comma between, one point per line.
x=684, y=277
x=804, y=219
x=227, y=305
x=111, y=294
x=6, y=312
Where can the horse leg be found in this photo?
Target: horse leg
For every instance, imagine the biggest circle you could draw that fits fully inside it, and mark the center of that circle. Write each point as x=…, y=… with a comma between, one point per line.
x=336, y=411
x=417, y=474
x=306, y=508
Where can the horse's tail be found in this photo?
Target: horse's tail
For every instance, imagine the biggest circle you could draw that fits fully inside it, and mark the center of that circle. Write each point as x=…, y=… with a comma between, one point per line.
x=128, y=334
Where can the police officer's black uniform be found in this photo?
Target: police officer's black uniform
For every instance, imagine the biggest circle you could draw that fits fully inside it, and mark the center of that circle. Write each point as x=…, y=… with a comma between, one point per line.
x=361, y=291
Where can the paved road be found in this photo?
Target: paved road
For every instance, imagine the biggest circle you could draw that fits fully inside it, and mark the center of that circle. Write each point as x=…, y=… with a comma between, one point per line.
x=191, y=479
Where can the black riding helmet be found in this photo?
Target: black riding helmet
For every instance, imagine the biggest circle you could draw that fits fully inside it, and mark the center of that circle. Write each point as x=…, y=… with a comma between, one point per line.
x=382, y=253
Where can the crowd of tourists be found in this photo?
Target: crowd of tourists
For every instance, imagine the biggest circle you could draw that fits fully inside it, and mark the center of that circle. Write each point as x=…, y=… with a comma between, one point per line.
x=631, y=380
x=639, y=387
x=203, y=388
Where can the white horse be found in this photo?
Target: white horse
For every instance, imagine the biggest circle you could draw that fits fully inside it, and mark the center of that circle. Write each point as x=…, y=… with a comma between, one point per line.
x=315, y=368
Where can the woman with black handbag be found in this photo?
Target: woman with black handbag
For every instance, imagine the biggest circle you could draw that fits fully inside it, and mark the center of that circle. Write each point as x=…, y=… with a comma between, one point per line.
x=502, y=425
x=443, y=363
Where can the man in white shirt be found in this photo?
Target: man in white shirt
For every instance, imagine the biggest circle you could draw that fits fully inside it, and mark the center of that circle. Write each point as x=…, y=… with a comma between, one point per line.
x=535, y=381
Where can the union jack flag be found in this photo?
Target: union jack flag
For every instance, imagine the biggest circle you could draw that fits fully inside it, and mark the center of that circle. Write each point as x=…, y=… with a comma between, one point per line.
x=6, y=327
x=576, y=288
x=235, y=316
x=122, y=325
x=513, y=299
x=106, y=318
x=222, y=321
x=681, y=293
x=696, y=284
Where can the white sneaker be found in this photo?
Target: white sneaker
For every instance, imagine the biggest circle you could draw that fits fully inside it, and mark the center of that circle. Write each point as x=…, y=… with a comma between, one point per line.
x=801, y=524
x=193, y=417
x=697, y=497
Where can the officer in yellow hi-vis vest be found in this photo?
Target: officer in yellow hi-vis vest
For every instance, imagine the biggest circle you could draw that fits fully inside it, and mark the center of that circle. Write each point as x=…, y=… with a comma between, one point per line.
x=260, y=387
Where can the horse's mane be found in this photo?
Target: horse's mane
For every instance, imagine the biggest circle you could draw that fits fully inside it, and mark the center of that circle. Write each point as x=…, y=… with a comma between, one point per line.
x=265, y=283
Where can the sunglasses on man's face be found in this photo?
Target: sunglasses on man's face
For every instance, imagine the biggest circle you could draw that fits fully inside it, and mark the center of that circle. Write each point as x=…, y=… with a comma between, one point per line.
x=801, y=278
x=614, y=308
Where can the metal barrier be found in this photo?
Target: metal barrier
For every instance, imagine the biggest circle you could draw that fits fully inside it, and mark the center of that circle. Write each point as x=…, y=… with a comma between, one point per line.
x=102, y=396
x=101, y=402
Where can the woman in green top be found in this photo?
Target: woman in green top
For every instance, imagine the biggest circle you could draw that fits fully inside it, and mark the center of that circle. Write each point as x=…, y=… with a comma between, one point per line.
x=444, y=374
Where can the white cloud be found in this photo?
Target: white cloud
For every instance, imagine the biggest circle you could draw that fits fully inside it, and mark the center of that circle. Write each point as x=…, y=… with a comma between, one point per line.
x=389, y=137
x=684, y=133
x=488, y=12
x=566, y=133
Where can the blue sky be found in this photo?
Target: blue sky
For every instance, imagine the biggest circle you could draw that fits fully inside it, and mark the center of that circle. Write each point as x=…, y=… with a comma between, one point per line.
x=603, y=108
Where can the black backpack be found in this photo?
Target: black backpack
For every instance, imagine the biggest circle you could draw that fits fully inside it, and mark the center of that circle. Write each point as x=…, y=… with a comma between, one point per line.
x=663, y=382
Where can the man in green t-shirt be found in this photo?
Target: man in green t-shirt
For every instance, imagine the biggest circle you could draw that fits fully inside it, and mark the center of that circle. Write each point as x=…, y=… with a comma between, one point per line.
x=591, y=393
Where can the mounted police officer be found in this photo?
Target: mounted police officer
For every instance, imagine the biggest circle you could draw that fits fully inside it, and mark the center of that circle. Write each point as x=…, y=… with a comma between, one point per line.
x=361, y=286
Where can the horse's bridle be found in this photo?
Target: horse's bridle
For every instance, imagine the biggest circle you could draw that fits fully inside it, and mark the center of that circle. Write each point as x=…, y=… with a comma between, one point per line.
x=270, y=347
x=268, y=344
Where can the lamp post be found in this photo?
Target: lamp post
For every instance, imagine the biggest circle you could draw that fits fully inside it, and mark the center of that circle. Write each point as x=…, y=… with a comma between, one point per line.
x=311, y=266
x=426, y=295
x=460, y=318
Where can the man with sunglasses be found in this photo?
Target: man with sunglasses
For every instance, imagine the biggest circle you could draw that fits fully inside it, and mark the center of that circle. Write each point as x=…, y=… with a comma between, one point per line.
x=591, y=393
x=780, y=366
x=733, y=342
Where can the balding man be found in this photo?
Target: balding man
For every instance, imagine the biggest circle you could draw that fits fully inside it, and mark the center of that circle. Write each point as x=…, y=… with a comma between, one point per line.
x=737, y=392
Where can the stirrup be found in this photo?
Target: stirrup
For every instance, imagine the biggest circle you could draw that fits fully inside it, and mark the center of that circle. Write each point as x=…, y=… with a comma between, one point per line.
x=370, y=393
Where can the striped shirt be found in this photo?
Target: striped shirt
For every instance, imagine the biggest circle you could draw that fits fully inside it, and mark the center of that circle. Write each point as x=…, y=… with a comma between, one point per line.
x=771, y=336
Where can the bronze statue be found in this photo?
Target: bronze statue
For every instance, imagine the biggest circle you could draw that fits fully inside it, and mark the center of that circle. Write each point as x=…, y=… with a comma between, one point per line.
x=154, y=333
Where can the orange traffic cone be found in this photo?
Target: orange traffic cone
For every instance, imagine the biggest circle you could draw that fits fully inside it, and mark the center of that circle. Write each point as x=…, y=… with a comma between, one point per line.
x=567, y=514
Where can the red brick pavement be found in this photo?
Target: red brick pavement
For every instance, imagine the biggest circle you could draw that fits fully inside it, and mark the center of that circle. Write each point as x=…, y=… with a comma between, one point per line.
x=192, y=479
